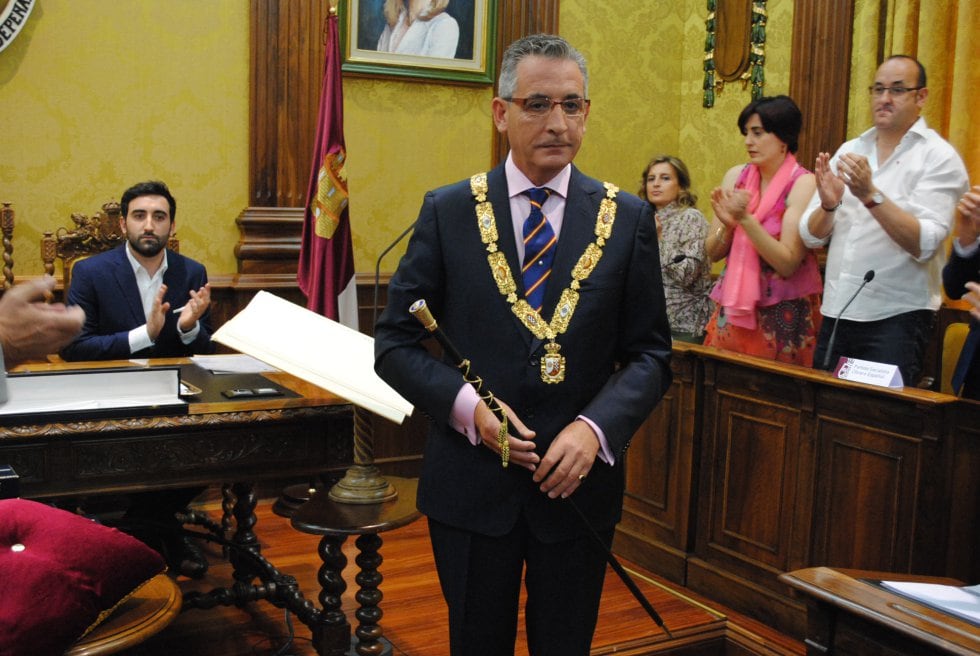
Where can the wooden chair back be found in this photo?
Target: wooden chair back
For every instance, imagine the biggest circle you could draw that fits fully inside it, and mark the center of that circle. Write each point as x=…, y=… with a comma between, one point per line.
x=90, y=236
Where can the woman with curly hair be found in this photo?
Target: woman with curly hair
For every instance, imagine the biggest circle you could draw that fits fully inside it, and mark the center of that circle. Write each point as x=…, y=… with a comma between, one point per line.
x=681, y=231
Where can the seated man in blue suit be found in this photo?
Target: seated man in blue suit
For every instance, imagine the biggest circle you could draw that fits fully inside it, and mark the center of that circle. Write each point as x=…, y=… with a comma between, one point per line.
x=130, y=294
x=960, y=276
x=142, y=300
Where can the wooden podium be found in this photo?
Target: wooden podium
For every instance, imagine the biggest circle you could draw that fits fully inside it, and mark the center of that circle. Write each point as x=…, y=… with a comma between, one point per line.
x=847, y=614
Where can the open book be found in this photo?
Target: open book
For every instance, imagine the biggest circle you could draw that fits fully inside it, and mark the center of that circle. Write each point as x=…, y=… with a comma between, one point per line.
x=314, y=348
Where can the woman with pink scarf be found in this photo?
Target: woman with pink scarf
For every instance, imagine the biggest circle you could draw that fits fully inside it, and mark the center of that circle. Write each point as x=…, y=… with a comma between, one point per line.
x=768, y=294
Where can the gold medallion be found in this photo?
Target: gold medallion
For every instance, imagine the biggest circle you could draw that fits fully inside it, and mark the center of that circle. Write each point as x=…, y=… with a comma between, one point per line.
x=552, y=364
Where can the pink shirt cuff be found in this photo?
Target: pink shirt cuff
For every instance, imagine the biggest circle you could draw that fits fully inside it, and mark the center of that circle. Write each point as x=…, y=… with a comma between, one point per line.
x=464, y=408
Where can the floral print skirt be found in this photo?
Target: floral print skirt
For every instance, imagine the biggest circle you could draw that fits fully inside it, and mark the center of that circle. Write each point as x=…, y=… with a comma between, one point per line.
x=786, y=331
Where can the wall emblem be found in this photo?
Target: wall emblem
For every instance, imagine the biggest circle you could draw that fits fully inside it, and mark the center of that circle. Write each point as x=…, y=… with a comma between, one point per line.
x=13, y=17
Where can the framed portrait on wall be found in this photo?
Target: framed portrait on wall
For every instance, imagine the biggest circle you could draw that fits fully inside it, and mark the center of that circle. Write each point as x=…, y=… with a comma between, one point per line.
x=448, y=40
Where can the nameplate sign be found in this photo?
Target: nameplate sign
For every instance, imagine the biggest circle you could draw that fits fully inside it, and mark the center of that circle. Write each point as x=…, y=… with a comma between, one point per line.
x=872, y=373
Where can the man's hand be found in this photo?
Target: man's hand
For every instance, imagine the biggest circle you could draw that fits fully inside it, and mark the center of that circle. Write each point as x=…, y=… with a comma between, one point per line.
x=830, y=186
x=973, y=297
x=968, y=217
x=30, y=328
x=855, y=171
x=521, y=447
x=200, y=300
x=568, y=460
x=158, y=314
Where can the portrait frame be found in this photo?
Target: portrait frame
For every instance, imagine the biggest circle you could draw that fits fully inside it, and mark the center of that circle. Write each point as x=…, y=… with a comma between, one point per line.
x=363, y=23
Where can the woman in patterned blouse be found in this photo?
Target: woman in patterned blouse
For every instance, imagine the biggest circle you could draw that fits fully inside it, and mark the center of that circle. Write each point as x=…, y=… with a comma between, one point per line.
x=681, y=229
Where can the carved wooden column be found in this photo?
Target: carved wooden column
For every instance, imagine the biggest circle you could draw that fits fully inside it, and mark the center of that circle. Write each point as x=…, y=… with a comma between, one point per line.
x=820, y=73
x=286, y=49
x=7, y=227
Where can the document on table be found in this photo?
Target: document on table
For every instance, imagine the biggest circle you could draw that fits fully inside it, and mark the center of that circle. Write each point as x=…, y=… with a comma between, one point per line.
x=314, y=348
x=960, y=601
x=232, y=363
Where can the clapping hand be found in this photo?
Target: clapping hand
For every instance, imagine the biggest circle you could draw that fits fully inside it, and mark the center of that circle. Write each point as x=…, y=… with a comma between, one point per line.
x=729, y=205
x=830, y=186
x=968, y=217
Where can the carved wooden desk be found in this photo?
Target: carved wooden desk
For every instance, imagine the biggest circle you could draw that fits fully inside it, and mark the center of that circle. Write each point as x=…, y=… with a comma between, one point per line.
x=847, y=616
x=241, y=440
x=306, y=431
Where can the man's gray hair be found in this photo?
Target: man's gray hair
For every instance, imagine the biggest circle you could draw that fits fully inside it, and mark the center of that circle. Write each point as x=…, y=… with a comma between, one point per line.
x=541, y=45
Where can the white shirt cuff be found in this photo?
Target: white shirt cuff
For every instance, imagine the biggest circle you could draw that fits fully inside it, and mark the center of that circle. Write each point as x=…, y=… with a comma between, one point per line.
x=139, y=339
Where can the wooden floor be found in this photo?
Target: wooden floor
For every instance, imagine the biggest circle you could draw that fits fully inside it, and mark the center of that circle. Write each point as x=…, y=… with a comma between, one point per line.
x=414, y=616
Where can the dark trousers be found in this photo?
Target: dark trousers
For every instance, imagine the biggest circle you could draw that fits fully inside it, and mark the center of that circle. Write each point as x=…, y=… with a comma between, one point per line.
x=480, y=578
x=900, y=340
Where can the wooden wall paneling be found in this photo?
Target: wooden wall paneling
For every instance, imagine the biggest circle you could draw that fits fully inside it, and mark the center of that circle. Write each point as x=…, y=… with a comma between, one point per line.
x=752, y=472
x=286, y=67
x=657, y=524
x=963, y=492
x=866, y=497
x=820, y=73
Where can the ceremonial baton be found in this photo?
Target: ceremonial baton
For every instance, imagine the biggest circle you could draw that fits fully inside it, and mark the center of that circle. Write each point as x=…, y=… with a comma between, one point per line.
x=420, y=311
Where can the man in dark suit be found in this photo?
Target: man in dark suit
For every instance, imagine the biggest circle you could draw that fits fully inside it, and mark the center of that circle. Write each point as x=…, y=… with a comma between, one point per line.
x=127, y=295
x=575, y=344
x=960, y=276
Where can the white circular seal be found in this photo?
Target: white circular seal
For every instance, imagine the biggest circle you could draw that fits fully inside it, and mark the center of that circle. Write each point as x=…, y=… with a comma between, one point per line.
x=13, y=17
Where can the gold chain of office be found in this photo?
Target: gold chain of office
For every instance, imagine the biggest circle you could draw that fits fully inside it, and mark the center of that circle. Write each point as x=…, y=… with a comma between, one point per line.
x=553, y=363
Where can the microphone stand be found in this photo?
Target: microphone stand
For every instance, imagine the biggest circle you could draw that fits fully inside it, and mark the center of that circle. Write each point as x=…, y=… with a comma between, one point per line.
x=363, y=483
x=868, y=277
x=421, y=312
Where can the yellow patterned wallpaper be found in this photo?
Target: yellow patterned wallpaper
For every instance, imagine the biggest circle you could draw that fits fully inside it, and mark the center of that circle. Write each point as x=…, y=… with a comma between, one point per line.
x=98, y=95
x=646, y=67
x=403, y=139
x=104, y=94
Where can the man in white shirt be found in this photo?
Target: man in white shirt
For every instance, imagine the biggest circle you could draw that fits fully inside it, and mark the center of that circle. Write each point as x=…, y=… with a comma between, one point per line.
x=885, y=203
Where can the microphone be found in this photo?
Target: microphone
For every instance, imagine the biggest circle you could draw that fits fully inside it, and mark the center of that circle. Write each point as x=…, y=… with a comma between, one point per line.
x=868, y=277
x=377, y=271
x=680, y=257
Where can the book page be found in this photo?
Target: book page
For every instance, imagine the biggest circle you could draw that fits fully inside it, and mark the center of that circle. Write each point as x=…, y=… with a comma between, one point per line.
x=960, y=601
x=314, y=348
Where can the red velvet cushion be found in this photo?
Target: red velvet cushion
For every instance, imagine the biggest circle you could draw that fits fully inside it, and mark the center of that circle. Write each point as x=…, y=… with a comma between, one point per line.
x=60, y=574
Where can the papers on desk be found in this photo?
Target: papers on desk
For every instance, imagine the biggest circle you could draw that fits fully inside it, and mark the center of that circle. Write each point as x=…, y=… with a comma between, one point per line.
x=314, y=348
x=959, y=601
x=145, y=391
x=232, y=363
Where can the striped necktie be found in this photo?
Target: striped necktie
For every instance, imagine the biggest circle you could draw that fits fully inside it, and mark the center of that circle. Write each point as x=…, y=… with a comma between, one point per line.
x=539, y=249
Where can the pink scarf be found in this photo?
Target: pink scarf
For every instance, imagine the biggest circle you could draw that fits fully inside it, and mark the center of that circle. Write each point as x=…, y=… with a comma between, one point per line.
x=739, y=289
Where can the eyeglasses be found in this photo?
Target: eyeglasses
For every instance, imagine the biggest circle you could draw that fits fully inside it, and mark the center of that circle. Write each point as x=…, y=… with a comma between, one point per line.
x=877, y=90
x=538, y=106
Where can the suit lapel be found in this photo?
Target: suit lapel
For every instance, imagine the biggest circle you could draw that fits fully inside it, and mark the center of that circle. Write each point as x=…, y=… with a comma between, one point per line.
x=122, y=273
